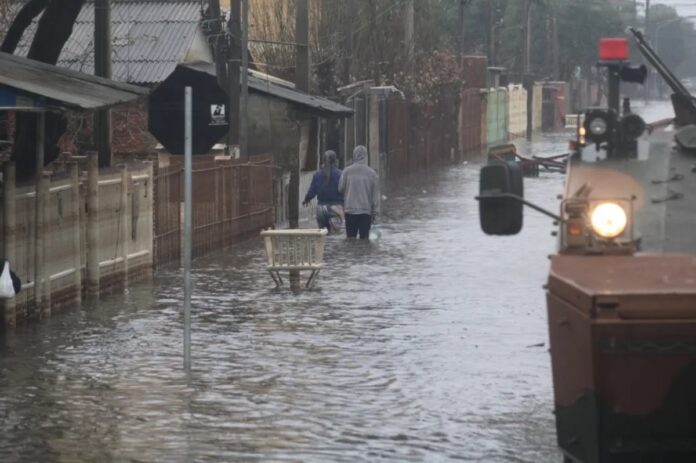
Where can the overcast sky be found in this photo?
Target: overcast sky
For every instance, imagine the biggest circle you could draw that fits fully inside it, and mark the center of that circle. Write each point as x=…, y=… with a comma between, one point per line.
x=685, y=7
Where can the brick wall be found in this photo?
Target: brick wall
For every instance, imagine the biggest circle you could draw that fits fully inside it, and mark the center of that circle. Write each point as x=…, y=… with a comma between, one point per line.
x=129, y=125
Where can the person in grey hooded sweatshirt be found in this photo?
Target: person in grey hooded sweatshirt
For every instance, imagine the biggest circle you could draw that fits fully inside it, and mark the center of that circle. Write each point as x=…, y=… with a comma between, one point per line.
x=360, y=187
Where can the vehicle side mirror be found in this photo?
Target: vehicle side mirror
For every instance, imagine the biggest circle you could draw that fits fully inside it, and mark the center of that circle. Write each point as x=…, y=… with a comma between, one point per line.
x=501, y=198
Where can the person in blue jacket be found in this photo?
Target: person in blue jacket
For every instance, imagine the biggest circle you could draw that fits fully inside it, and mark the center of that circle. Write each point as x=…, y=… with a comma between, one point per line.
x=325, y=188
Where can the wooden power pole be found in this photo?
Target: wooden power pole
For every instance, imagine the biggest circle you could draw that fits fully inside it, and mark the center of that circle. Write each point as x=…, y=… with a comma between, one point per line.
x=348, y=21
x=491, y=32
x=302, y=45
x=302, y=84
x=102, y=68
x=217, y=31
x=462, y=27
x=409, y=28
x=244, y=95
x=527, y=39
x=234, y=71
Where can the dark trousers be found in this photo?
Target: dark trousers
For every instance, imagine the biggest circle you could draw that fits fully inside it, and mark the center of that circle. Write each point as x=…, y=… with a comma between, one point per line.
x=358, y=223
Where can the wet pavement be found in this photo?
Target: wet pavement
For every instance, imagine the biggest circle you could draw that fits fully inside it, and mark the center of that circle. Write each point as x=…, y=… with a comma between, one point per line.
x=427, y=345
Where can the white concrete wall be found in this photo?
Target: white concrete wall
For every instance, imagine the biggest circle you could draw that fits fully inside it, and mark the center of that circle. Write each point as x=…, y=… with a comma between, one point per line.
x=517, y=111
x=537, y=107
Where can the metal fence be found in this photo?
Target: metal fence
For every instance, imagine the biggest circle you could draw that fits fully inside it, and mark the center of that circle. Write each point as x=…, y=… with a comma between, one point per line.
x=472, y=121
x=231, y=200
x=421, y=135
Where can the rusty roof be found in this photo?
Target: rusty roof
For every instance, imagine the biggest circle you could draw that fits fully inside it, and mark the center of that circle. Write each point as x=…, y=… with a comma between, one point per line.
x=150, y=38
x=64, y=88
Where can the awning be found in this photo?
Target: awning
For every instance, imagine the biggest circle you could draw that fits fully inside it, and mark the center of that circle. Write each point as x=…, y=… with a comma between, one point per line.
x=27, y=84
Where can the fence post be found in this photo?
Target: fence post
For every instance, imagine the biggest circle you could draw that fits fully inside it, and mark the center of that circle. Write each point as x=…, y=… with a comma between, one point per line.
x=38, y=246
x=225, y=216
x=9, y=221
x=157, y=207
x=74, y=173
x=92, y=224
x=45, y=236
x=125, y=187
x=150, y=206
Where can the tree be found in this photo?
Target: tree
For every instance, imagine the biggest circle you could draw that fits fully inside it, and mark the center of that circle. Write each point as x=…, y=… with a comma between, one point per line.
x=54, y=28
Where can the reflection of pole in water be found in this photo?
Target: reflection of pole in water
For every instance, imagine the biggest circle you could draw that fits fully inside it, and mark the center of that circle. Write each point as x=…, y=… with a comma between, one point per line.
x=187, y=229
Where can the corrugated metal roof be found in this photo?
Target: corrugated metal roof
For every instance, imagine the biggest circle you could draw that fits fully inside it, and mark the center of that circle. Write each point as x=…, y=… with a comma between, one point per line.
x=64, y=87
x=150, y=37
x=313, y=103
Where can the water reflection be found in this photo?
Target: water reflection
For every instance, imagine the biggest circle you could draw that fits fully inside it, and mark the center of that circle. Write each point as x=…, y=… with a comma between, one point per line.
x=422, y=346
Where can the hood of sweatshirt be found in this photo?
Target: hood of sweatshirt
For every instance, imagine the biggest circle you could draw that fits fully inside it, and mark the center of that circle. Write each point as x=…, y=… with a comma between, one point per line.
x=360, y=155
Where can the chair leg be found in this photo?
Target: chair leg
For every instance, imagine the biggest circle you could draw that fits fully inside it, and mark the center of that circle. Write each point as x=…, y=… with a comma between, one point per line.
x=279, y=279
x=312, y=278
x=275, y=279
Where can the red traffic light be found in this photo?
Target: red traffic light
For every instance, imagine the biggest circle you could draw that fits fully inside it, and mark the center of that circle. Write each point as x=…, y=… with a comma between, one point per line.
x=613, y=49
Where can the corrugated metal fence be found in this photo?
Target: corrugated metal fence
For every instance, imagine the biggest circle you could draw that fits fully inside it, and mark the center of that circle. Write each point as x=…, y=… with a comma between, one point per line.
x=421, y=135
x=231, y=200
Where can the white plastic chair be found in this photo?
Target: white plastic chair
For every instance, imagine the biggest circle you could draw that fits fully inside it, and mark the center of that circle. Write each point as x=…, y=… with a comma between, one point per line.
x=294, y=250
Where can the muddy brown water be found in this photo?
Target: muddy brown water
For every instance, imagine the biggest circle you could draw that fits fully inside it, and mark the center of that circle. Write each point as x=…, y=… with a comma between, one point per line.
x=427, y=345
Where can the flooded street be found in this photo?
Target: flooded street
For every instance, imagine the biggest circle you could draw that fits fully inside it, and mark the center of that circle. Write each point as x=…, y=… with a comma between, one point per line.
x=427, y=345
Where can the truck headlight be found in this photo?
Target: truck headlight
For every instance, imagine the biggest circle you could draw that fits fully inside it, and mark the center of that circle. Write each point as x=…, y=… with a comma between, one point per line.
x=609, y=220
x=598, y=127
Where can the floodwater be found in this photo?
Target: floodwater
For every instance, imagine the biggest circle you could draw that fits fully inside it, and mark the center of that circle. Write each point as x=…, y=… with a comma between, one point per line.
x=427, y=345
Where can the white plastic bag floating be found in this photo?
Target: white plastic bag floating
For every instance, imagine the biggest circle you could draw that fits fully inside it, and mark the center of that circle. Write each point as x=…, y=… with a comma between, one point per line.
x=10, y=285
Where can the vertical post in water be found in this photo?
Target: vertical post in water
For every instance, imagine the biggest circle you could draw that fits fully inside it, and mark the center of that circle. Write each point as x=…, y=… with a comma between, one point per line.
x=10, y=250
x=188, y=167
x=38, y=212
x=93, y=272
x=74, y=173
x=44, y=235
x=124, y=222
x=102, y=68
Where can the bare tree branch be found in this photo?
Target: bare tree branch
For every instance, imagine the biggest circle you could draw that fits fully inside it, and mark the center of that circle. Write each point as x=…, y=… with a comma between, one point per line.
x=22, y=21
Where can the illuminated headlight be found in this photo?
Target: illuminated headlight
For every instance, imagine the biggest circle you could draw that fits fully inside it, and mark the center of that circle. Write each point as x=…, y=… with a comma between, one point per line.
x=609, y=220
x=598, y=127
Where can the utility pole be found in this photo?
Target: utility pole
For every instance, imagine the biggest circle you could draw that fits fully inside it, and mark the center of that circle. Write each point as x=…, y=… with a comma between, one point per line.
x=409, y=28
x=102, y=68
x=491, y=34
x=651, y=75
x=219, y=42
x=244, y=98
x=555, y=49
x=302, y=45
x=462, y=26
x=349, y=13
x=302, y=84
x=527, y=42
x=234, y=71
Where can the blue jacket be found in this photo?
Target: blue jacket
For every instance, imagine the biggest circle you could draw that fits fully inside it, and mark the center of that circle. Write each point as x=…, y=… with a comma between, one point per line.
x=326, y=194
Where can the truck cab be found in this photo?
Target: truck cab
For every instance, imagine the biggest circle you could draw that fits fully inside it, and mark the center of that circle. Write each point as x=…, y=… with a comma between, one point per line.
x=621, y=292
